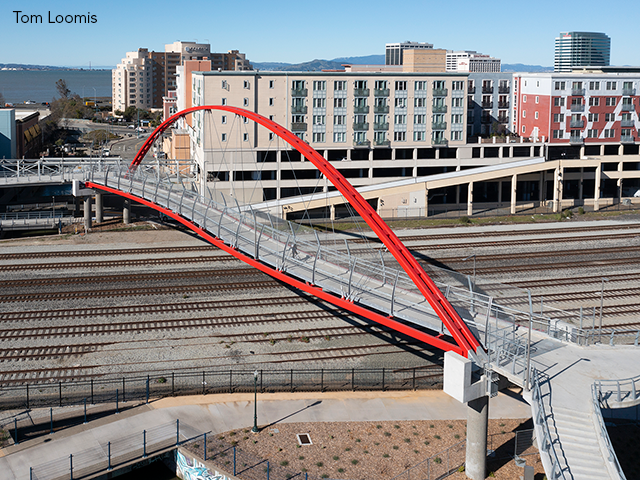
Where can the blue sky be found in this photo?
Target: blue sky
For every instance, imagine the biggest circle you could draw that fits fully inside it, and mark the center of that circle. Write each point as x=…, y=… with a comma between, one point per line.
x=293, y=32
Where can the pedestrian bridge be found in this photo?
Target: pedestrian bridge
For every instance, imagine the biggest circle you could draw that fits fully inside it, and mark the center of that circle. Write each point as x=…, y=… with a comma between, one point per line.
x=555, y=361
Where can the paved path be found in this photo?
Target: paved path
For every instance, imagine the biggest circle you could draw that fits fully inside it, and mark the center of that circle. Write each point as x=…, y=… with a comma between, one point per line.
x=220, y=413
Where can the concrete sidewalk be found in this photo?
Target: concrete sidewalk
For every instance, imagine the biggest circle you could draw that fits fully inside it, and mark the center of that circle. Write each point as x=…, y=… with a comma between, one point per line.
x=220, y=413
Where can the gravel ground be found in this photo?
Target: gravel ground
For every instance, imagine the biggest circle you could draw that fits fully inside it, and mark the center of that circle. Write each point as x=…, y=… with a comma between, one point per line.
x=365, y=450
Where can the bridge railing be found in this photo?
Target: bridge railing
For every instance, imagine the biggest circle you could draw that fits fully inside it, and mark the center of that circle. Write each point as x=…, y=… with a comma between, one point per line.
x=548, y=454
x=618, y=393
x=609, y=454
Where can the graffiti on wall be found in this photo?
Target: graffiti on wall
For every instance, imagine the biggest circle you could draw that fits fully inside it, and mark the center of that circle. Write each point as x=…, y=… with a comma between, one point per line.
x=192, y=469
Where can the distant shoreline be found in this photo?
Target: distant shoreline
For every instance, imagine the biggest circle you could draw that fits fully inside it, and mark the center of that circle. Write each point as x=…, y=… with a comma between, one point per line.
x=33, y=68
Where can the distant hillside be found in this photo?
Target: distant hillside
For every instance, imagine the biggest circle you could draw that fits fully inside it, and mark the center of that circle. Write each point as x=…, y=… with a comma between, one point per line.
x=22, y=66
x=318, y=65
x=519, y=67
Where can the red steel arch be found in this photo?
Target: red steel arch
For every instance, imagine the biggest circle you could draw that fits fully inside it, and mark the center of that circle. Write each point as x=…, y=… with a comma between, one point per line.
x=464, y=338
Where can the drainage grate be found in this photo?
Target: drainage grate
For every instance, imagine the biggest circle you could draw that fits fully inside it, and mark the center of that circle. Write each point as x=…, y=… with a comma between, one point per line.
x=304, y=439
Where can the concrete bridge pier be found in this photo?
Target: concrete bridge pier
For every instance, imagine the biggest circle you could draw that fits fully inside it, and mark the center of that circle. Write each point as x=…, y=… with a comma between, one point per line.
x=126, y=212
x=477, y=429
x=87, y=213
x=99, y=207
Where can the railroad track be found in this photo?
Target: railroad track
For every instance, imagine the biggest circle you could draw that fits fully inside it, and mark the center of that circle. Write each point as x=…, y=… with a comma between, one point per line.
x=106, y=252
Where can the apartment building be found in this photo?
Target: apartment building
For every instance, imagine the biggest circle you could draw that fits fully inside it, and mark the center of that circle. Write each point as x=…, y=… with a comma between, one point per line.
x=375, y=126
x=471, y=61
x=144, y=78
x=578, y=108
x=579, y=49
x=488, y=104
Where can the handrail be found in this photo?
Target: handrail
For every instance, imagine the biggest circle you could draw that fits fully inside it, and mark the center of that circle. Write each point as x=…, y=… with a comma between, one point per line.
x=612, y=464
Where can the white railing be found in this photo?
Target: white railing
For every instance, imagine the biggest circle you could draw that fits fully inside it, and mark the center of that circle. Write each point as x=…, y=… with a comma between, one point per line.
x=609, y=454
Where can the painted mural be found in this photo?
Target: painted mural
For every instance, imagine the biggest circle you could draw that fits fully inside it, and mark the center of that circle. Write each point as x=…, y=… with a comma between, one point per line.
x=192, y=469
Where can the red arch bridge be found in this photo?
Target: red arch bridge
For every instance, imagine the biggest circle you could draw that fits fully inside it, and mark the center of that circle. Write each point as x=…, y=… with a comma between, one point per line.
x=405, y=299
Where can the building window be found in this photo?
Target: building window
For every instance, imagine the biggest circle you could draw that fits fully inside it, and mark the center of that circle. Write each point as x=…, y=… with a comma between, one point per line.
x=594, y=85
x=401, y=102
x=339, y=119
x=223, y=120
x=421, y=102
x=593, y=117
x=524, y=99
x=272, y=83
x=319, y=103
x=223, y=101
x=381, y=85
x=610, y=101
x=594, y=101
x=271, y=102
x=319, y=85
x=609, y=133
x=339, y=102
x=245, y=102
x=223, y=137
x=246, y=84
x=400, y=119
x=245, y=119
x=340, y=85
x=420, y=85
x=524, y=114
x=419, y=136
x=559, y=85
x=558, y=102
x=535, y=115
x=456, y=135
x=401, y=85
x=456, y=118
x=297, y=84
x=271, y=136
x=456, y=102
x=558, y=117
x=400, y=136
x=609, y=117
x=360, y=137
x=318, y=119
x=318, y=137
x=523, y=129
x=611, y=85
x=339, y=137
x=592, y=133
x=271, y=117
x=558, y=134
x=419, y=119
x=245, y=137
x=457, y=85
x=537, y=99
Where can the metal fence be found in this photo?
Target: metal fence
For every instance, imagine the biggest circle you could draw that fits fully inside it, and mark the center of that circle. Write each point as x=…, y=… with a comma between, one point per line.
x=440, y=465
x=107, y=456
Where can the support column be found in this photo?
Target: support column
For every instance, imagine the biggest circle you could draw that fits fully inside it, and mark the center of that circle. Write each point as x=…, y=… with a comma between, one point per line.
x=514, y=190
x=87, y=213
x=619, y=182
x=426, y=202
x=470, y=199
x=332, y=212
x=126, y=212
x=557, y=190
x=98, y=207
x=596, y=189
x=477, y=428
x=581, y=186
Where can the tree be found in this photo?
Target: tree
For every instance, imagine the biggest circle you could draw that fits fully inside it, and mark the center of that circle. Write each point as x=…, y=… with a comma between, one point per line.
x=63, y=90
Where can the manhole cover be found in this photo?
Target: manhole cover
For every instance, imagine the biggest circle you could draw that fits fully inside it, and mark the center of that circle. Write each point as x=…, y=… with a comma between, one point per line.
x=304, y=439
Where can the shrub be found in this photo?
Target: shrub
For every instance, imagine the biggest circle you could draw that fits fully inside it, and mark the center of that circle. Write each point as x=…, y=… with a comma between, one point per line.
x=580, y=211
x=284, y=463
x=319, y=464
x=354, y=461
x=437, y=460
x=336, y=457
x=465, y=219
x=385, y=455
x=162, y=380
x=301, y=457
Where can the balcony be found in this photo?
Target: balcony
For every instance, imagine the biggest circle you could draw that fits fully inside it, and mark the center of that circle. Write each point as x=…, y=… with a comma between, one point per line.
x=577, y=108
x=628, y=107
x=381, y=92
x=361, y=92
x=364, y=109
x=439, y=109
x=381, y=109
x=626, y=139
x=503, y=89
x=576, y=140
x=629, y=91
x=503, y=104
x=381, y=126
x=471, y=90
x=362, y=143
x=487, y=89
x=440, y=92
x=382, y=143
x=299, y=92
x=627, y=123
x=439, y=126
x=577, y=92
x=439, y=141
x=363, y=126
x=487, y=104
x=577, y=123
x=298, y=127
x=299, y=109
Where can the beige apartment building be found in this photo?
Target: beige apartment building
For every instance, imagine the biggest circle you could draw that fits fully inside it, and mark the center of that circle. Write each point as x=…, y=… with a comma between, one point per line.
x=374, y=127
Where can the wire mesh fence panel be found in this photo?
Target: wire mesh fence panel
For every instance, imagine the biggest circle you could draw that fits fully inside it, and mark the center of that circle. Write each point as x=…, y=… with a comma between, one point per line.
x=525, y=443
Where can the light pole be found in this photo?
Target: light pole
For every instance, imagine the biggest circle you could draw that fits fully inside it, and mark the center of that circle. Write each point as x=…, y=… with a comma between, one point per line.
x=53, y=204
x=474, y=265
x=601, y=303
x=255, y=402
x=95, y=103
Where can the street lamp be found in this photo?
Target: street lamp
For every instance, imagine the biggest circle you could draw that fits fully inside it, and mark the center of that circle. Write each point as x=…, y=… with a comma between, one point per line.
x=95, y=103
x=601, y=303
x=255, y=402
